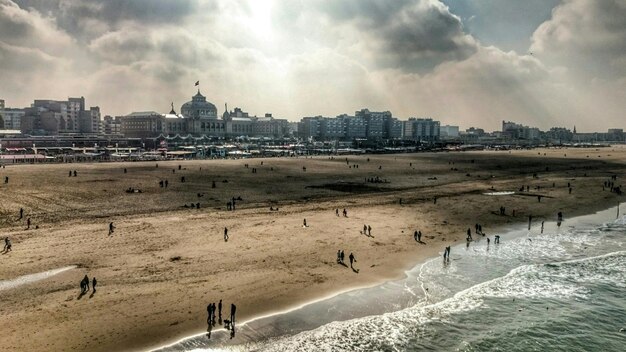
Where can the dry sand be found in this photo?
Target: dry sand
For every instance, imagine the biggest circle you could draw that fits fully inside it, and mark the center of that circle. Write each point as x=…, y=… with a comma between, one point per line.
x=145, y=298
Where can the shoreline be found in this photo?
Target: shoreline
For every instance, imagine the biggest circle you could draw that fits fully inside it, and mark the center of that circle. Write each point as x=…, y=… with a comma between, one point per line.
x=506, y=232
x=279, y=266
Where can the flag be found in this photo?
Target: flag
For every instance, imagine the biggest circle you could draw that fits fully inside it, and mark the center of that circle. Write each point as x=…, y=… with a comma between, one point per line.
x=197, y=83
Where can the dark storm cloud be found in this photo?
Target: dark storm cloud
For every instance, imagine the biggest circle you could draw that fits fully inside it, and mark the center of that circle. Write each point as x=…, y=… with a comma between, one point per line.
x=85, y=19
x=411, y=35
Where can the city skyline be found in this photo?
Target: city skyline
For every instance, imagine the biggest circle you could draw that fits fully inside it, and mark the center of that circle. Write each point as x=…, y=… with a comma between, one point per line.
x=467, y=63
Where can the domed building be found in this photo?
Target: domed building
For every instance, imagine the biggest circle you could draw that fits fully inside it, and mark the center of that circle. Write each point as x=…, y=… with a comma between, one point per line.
x=201, y=117
x=199, y=108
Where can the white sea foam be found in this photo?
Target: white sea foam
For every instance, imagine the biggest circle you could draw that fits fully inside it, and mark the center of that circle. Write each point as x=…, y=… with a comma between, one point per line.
x=560, y=280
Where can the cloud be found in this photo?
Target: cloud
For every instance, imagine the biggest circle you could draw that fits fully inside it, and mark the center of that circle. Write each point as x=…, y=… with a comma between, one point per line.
x=30, y=29
x=299, y=58
x=412, y=35
x=588, y=37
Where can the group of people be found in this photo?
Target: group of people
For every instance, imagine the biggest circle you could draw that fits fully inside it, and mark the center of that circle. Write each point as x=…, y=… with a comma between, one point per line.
x=341, y=257
x=231, y=204
x=367, y=230
x=84, y=285
x=229, y=324
x=163, y=183
x=72, y=173
x=417, y=236
x=345, y=212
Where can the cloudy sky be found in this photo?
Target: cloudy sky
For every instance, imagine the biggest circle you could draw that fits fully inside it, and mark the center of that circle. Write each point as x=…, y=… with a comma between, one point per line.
x=465, y=62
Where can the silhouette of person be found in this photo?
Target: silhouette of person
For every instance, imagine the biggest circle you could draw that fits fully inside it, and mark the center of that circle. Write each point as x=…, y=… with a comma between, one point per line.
x=74, y=173
x=28, y=224
x=342, y=256
x=233, y=310
x=111, y=228
x=337, y=211
x=352, y=259
x=415, y=236
x=219, y=310
x=225, y=234
x=7, y=245
x=85, y=284
x=209, y=309
x=369, y=230
x=305, y=222
x=94, y=282
x=21, y=213
x=338, y=256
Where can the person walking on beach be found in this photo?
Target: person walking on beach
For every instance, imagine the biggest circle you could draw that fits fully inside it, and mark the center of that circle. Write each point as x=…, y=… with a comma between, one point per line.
x=233, y=310
x=219, y=311
x=497, y=239
x=337, y=211
x=365, y=229
x=84, y=285
x=225, y=234
x=28, y=224
x=469, y=234
x=530, y=219
x=111, y=228
x=94, y=282
x=304, y=223
x=415, y=236
x=369, y=230
x=352, y=259
x=7, y=245
x=345, y=213
x=209, y=314
x=339, y=256
x=542, y=227
x=342, y=256
x=21, y=213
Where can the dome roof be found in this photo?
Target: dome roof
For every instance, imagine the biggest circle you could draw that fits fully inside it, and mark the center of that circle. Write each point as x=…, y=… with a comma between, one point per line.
x=198, y=107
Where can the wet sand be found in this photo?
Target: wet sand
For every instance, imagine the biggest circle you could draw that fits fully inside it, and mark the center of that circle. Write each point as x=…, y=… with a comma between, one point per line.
x=164, y=263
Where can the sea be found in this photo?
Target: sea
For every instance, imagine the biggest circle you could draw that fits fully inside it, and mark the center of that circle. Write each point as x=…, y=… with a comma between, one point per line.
x=560, y=290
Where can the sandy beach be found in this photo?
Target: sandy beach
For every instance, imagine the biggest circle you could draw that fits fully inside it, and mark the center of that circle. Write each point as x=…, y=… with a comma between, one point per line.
x=165, y=263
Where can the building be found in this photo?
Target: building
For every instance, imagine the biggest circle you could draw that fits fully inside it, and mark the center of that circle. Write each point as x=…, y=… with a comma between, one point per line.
x=52, y=117
x=376, y=122
x=11, y=118
x=145, y=124
x=514, y=130
x=90, y=121
x=112, y=125
x=447, y=131
x=419, y=129
x=201, y=117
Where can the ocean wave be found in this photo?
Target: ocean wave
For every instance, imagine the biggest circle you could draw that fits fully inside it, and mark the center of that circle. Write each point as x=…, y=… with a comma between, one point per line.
x=392, y=331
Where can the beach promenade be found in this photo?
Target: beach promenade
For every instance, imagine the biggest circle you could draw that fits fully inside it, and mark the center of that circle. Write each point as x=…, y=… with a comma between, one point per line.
x=166, y=260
